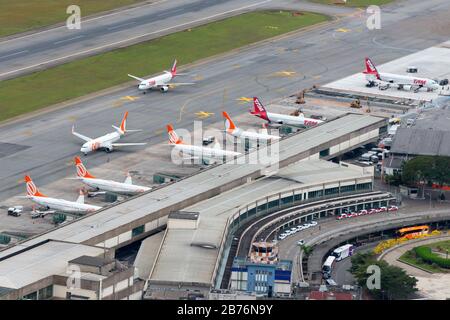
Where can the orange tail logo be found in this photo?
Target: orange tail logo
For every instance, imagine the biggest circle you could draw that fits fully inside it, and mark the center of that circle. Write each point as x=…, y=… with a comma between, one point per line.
x=123, y=124
x=81, y=169
x=229, y=125
x=32, y=190
x=173, y=137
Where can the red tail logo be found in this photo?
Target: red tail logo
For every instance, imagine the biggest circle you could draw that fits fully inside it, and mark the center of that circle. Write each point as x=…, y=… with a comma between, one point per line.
x=173, y=71
x=371, y=69
x=81, y=169
x=32, y=190
x=258, y=109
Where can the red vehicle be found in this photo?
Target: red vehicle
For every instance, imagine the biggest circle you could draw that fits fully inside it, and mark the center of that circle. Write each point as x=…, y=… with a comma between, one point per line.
x=393, y=208
x=341, y=216
x=372, y=211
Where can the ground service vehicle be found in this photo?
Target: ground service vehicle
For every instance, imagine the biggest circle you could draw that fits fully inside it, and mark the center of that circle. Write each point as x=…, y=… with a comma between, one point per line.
x=328, y=266
x=343, y=252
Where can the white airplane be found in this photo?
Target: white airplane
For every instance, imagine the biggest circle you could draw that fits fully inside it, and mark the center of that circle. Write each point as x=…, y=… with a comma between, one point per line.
x=161, y=82
x=108, y=141
x=276, y=118
x=198, y=152
x=126, y=188
x=57, y=204
x=400, y=81
x=239, y=133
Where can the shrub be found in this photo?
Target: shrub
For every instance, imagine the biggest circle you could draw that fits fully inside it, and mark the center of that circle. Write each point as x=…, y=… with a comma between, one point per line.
x=429, y=257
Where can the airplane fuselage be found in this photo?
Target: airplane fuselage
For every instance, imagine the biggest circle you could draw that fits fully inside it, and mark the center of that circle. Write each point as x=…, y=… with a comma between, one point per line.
x=404, y=80
x=238, y=133
x=292, y=120
x=114, y=186
x=64, y=205
x=103, y=142
x=204, y=152
x=156, y=82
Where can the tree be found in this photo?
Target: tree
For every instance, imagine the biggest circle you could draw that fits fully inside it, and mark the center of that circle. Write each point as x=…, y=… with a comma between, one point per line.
x=426, y=169
x=395, y=282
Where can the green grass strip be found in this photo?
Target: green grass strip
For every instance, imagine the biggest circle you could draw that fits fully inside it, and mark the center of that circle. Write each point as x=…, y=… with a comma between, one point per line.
x=74, y=79
x=24, y=15
x=354, y=3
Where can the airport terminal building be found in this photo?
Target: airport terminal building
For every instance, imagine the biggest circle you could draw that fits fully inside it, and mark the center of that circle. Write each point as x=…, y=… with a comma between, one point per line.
x=199, y=214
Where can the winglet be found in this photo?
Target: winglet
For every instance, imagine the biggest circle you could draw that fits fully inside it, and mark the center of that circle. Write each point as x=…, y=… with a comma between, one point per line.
x=32, y=190
x=173, y=137
x=81, y=169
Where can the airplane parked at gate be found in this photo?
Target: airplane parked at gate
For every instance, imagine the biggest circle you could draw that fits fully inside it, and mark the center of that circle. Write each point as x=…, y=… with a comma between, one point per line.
x=126, y=188
x=108, y=141
x=400, y=81
x=277, y=119
x=161, y=82
x=198, y=152
x=239, y=133
x=57, y=204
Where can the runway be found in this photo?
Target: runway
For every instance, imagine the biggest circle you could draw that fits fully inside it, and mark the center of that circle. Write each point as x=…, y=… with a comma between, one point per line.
x=43, y=145
x=40, y=50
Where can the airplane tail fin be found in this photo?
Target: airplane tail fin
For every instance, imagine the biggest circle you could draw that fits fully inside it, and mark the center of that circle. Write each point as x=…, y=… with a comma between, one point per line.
x=123, y=125
x=32, y=190
x=81, y=169
x=173, y=137
x=258, y=109
x=229, y=124
x=173, y=71
x=80, y=198
x=371, y=69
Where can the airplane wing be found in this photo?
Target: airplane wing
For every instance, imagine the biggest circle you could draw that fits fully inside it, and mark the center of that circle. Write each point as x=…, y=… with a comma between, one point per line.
x=174, y=84
x=80, y=135
x=137, y=78
x=128, y=144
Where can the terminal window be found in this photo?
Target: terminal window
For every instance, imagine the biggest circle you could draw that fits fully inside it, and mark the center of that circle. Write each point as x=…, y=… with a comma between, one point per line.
x=137, y=231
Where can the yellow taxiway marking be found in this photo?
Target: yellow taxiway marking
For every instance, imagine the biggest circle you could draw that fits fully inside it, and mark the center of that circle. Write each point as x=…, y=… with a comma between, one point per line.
x=284, y=73
x=129, y=98
x=203, y=114
x=343, y=30
x=198, y=77
x=118, y=104
x=244, y=99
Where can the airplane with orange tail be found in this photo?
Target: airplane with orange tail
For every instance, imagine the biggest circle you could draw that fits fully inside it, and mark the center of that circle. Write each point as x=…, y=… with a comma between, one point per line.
x=125, y=188
x=199, y=152
x=278, y=119
x=108, y=141
x=61, y=205
x=239, y=133
x=161, y=82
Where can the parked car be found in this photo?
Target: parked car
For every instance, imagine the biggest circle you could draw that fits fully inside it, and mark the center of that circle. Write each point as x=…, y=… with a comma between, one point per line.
x=300, y=242
x=393, y=208
x=372, y=211
x=342, y=216
x=313, y=223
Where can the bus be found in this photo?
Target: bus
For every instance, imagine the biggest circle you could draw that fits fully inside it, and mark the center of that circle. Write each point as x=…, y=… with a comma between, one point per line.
x=343, y=252
x=412, y=232
x=328, y=266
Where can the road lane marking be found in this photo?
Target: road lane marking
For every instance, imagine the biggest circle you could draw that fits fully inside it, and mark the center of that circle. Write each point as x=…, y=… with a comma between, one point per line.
x=70, y=39
x=121, y=25
x=133, y=38
x=14, y=54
